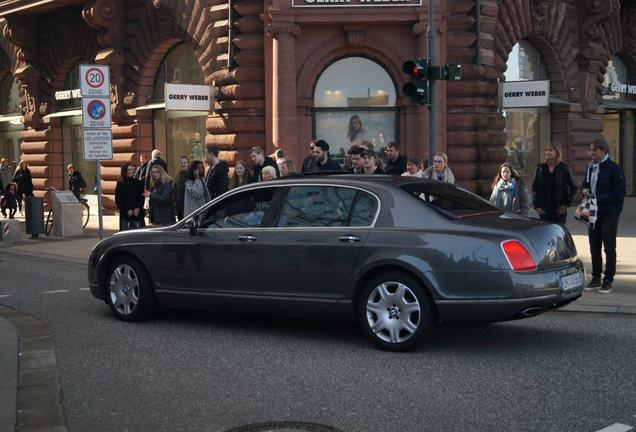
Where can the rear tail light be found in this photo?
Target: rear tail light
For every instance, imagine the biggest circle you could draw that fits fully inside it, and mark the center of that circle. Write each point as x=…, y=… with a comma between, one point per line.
x=518, y=256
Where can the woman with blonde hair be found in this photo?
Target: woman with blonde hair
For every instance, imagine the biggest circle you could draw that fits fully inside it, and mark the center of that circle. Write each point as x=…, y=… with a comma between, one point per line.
x=508, y=191
x=440, y=170
x=161, y=210
x=268, y=173
x=553, y=188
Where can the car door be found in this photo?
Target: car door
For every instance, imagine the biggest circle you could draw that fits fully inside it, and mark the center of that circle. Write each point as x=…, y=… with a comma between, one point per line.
x=221, y=255
x=318, y=236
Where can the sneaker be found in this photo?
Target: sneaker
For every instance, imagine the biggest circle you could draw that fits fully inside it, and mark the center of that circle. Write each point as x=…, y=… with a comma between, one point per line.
x=606, y=287
x=593, y=284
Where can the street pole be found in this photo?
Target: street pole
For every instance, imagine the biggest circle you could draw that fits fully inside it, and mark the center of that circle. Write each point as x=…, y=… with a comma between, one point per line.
x=432, y=114
x=99, y=200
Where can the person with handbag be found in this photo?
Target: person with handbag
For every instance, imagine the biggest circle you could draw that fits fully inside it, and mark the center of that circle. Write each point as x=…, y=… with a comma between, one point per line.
x=196, y=191
x=605, y=181
x=129, y=198
x=553, y=188
x=161, y=211
x=508, y=191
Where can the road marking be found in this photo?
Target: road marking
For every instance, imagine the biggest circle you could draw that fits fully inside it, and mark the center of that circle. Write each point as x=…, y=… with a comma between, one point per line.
x=55, y=291
x=617, y=427
x=84, y=289
x=5, y=295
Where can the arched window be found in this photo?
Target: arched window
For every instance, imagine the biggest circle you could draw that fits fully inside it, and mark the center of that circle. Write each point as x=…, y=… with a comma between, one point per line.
x=179, y=66
x=527, y=129
x=178, y=133
x=354, y=101
x=72, y=99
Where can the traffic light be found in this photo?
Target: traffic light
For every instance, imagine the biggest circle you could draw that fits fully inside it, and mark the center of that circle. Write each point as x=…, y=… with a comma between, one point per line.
x=453, y=71
x=417, y=89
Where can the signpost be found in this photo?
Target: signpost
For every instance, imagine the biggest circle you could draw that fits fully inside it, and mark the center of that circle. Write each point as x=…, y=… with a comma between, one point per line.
x=97, y=122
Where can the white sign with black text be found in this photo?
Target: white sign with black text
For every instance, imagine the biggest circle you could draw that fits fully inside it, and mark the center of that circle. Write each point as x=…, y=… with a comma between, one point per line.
x=185, y=97
x=94, y=80
x=98, y=144
x=524, y=94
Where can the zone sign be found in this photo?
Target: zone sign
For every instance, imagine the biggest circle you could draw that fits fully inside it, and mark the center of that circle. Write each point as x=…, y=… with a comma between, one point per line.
x=94, y=81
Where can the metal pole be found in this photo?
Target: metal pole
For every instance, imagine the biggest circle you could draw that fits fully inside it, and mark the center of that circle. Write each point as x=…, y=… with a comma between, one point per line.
x=99, y=200
x=432, y=114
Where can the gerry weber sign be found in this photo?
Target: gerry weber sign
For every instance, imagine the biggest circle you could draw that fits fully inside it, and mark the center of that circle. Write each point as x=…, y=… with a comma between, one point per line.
x=336, y=3
x=524, y=94
x=186, y=97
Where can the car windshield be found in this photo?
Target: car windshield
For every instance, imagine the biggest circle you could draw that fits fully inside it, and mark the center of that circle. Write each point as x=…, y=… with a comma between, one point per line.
x=449, y=200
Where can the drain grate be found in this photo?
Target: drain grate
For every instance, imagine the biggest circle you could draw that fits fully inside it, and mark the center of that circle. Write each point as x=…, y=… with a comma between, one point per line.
x=285, y=427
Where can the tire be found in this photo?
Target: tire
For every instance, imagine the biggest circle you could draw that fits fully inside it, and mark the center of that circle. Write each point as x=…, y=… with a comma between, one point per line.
x=48, y=226
x=86, y=213
x=129, y=290
x=395, y=312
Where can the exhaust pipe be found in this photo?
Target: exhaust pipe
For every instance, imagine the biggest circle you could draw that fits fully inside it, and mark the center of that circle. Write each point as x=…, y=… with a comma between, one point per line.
x=533, y=311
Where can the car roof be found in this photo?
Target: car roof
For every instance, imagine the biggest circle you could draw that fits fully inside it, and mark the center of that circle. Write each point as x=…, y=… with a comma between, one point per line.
x=351, y=179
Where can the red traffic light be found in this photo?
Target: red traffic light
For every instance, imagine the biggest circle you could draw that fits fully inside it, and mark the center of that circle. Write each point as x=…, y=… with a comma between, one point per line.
x=417, y=70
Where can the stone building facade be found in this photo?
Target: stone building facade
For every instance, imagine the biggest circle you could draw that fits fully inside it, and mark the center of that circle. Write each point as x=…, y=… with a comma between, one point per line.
x=287, y=71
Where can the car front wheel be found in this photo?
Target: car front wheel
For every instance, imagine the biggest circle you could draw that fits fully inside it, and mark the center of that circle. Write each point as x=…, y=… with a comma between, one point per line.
x=129, y=290
x=395, y=312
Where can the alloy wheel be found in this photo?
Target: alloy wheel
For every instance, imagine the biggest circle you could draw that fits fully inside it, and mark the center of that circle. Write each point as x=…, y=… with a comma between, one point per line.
x=124, y=289
x=393, y=312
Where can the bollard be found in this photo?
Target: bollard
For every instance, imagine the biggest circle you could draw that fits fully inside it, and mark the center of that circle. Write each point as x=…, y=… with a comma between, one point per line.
x=34, y=218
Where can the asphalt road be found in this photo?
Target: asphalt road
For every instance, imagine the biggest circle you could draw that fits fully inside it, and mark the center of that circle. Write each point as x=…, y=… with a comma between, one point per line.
x=203, y=371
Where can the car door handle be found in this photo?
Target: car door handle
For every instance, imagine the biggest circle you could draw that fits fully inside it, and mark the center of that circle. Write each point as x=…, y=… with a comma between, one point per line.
x=349, y=239
x=248, y=238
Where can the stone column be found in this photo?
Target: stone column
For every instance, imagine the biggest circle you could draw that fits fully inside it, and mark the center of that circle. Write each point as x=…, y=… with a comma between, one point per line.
x=284, y=116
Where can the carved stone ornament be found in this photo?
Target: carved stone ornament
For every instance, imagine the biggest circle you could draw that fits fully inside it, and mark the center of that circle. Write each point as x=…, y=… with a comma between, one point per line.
x=629, y=27
x=355, y=35
x=543, y=14
x=598, y=11
x=278, y=28
x=417, y=28
x=105, y=15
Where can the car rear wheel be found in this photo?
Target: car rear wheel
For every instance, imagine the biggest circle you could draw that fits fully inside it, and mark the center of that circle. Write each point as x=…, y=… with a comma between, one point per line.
x=130, y=294
x=395, y=312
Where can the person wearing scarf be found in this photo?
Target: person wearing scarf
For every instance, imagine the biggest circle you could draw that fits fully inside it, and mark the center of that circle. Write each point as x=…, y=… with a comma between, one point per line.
x=606, y=181
x=508, y=192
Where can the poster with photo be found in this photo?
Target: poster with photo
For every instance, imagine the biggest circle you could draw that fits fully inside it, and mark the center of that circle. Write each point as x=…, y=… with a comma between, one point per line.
x=342, y=129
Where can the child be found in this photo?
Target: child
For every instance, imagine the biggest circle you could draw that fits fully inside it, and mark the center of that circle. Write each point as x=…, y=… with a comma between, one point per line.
x=10, y=200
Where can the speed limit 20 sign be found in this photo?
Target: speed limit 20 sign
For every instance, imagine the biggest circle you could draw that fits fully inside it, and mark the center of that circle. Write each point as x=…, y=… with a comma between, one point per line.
x=94, y=81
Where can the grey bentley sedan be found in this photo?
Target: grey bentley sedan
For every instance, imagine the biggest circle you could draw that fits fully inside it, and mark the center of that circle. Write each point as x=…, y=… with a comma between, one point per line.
x=398, y=254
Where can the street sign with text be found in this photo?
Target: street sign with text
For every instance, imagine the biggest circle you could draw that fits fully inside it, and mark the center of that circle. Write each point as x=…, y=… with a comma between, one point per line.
x=98, y=144
x=94, y=81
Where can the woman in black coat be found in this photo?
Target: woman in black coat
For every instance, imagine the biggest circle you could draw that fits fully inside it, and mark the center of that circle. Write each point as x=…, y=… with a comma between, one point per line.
x=22, y=178
x=553, y=188
x=129, y=198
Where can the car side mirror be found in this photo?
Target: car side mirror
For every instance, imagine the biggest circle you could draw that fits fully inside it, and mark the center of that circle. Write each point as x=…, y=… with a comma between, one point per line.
x=192, y=225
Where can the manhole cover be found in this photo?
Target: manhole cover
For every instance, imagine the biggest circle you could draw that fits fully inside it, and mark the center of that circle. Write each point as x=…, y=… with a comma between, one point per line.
x=285, y=427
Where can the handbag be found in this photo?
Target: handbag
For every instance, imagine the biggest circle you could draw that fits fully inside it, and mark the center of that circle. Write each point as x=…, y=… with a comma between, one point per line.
x=587, y=211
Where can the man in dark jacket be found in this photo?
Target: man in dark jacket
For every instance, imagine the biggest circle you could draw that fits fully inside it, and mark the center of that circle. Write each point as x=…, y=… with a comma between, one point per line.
x=396, y=165
x=323, y=160
x=76, y=182
x=257, y=155
x=606, y=181
x=309, y=163
x=156, y=160
x=217, y=177
x=142, y=169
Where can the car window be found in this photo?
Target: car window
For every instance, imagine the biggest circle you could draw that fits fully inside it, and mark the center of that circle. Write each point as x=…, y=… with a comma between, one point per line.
x=317, y=206
x=364, y=209
x=449, y=200
x=247, y=209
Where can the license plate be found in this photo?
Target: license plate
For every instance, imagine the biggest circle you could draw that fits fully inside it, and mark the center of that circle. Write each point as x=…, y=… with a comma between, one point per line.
x=572, y=282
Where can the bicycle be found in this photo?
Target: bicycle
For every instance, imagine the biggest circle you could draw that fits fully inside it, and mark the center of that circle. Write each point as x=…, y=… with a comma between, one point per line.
x=86, y=213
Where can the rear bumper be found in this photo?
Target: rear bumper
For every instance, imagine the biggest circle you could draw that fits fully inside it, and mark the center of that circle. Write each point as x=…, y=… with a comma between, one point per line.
x=498, y=310
x=534, y=293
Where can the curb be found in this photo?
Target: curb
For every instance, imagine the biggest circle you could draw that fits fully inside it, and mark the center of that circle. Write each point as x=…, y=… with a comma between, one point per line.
x=39, y=397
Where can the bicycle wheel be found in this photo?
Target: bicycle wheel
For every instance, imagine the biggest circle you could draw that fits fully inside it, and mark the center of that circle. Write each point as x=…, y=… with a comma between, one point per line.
x=86, y=213
x=48, y=227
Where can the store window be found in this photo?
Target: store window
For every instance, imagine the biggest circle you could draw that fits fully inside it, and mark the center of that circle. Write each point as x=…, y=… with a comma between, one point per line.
x=10, y=120
x=618, y=120
x=70, y=98
x=178, y=133
x=527, y=129
x=354, y=101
